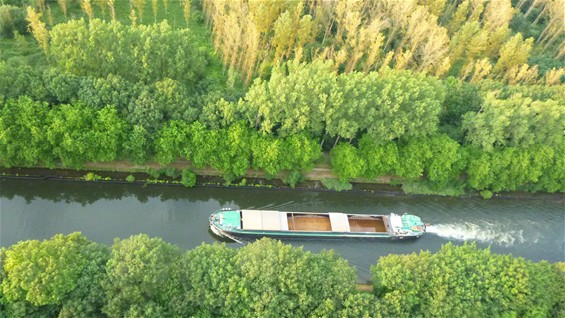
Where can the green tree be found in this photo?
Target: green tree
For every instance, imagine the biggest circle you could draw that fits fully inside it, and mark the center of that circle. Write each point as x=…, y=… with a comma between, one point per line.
x=516, y=121
x=138, y=284
x=279, y=280
x=347, y=162
x=465, y=281
x=23, y=133
x=170, y=141
x=137, y=145
x=267, y=152
x=205, y=276
x=292, y=101
x=381, y=159
x=73, y=285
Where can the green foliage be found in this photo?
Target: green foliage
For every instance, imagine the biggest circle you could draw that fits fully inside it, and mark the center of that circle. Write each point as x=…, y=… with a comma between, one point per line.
x=205, y=276
x=292, y=101
x=73, y=285
x=465, y=281
x=130, y=178
x=147, y=277
x=292, y=178
x=188, y=178
x=346, y=162
x=138, y=284
x=23, y=133
x=460, y=98
x=452, y=189
x=517, y=121
x=170, y=141
x=91, y=176
x=279, y=280
x=514, y=168
x=99, y=48
x=78, y=134
x=137, y=145
x=381, y=158
x=337, y=185
x=406, y=105
x=12, y=19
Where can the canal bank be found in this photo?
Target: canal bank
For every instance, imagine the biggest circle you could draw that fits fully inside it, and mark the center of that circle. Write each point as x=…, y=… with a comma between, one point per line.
x=320, y=178
x=153, y=173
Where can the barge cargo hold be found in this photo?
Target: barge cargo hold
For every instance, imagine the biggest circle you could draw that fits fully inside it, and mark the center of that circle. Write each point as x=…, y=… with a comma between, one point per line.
x=236, y=223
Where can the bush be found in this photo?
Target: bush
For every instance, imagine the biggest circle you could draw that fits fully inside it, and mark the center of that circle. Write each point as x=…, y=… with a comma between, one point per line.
x=130, y=178
x=188, y=178
x=292, y=178
x=337, y=185
x=92, y=177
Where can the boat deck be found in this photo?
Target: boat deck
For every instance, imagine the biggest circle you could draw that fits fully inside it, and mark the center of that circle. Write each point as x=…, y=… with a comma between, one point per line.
x=309, y=223
x=367, y=225
x=265, y=220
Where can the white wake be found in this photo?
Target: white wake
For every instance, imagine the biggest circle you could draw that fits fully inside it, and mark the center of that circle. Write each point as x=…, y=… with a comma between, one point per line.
x=486, y=233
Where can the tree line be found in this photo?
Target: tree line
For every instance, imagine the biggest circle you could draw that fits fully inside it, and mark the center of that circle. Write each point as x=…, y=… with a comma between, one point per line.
x=390, y=123
x=148, y=277
x=472, y=40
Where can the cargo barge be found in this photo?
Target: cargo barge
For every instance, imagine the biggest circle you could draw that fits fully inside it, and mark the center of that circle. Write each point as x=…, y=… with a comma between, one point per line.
x=236, y=223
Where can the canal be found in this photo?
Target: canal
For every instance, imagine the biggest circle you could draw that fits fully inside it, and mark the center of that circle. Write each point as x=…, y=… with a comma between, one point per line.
x=531, y=227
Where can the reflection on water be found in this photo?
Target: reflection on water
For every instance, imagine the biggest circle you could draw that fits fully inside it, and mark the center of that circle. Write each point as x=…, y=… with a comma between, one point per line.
x=533, y=228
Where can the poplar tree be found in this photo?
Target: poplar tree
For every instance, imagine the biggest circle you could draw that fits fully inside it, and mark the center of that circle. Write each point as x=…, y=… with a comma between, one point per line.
x=63, y=4
x=186, y=10
x=87, y=7
x=38, y=28
x=112, y=10
x=514, y=52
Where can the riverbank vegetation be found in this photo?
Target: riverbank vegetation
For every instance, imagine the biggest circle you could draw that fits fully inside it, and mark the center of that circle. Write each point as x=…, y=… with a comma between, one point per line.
x=148, y=277
x=444, y=96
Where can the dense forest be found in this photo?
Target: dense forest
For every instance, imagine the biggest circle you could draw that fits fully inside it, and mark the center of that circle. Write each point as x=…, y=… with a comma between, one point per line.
x=148, y=277
x=442, y=95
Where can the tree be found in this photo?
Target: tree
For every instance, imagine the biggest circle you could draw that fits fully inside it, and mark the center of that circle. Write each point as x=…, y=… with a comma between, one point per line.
x=293, y=100
x=137, y=145
x=267, y=152
x=186, y=10
x=381, y=158
x=514, y=52
x=140, y=6
x=281, y=280
x=38, y=29
x=87, y=7
x=64, y=6
x=404, y=105
x=346, y=162
x=78, y=134
x=139, y=284
x=73, y=284
x=205, y=276
x=23, y=133
x=170, y=141
x=464, y=280
x=516, y=121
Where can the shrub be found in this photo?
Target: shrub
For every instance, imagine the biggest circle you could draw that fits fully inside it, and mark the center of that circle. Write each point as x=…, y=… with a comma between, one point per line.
x=91, y=176
x=337, y=185
x=292, y=178
x=188, y=178
x=130, y=178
